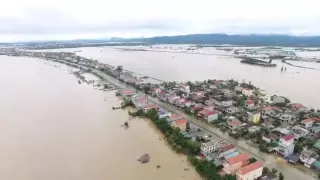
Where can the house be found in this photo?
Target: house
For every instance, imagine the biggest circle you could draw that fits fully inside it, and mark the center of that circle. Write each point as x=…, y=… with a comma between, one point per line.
x=307, y=123
x=238, y=89
x=247, y=92
x=270, y=111
x=278, y=100
x=211, y=146
x=254, y=129
x=308, y=157
x=232, y=110
x=225, y=150
x=250, y=172
x=233, y=123
x=286, y=145
x=288, y=117
x=271, y=137
x=197, y=108
x=298, y=107
x=150, y=107
x=226, y=103
x=156, y=91
x=208, y=115
x=210, y=107
x=172, y=99
x=140, y=101
x=180, y=123
x=231, y=165
x=254, y=117
x=185, y=88
x=299, y=132
x=315, y=129
x=174, y=117
x=249, y=104
x=210, y=102
x=127, y=93
x=164, y=114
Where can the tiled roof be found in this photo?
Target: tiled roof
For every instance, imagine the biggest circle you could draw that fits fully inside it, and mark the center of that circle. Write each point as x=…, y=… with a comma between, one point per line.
x=249, y=101
x=207, y=112
x=150, y=106
x=239, y=158
x=174, y=117
x=249, y=168
x=227, y=147
x=287, y=137
x=235, y=122
x=307, y=120
x=298, y=105
x=181, y=121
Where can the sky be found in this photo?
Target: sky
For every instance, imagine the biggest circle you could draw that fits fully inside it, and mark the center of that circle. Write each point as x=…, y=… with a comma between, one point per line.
x=25, y=20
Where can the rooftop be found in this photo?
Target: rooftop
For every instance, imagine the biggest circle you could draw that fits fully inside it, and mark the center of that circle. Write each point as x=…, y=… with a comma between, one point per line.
x=307, y=120
x=288, y=137
x=175, y=117
x=181, y=121
x=227, y=147
x=207, y=112
x=239, y=158
x=249, y=168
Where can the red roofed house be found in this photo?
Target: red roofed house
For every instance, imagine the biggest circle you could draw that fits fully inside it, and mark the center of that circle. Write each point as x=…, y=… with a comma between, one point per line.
x=231, y=165
x=249, y=103
x=197, y=108
x=233, y=123
x=208, y=115
x=307, y=123
x=140, y=102
x=286, y=145
x=174, y=117
x=250, y=172
x=180, y=123
x=210, y=107
x=298, y=106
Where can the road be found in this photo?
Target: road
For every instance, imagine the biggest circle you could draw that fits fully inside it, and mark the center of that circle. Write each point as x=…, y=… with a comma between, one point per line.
x=289, y=171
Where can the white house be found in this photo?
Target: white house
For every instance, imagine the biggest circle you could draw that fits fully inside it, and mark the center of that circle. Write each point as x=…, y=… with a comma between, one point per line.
x=286, y=145
x=232, y=110
x=247, y=92
x=226, y=103
x=208, y=115
x=211, y=146
x=307, y=123
x=250, y=172
x=308, y=157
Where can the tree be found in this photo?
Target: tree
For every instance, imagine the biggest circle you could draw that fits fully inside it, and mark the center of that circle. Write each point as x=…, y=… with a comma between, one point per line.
x=274, y=171
x=188, y=127
x=298, y=148
x=252, y=160
x=265, y=170
x=281, y=177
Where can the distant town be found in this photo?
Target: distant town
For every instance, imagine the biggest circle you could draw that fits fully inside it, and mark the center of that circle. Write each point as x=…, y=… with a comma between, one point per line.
x=211, y=120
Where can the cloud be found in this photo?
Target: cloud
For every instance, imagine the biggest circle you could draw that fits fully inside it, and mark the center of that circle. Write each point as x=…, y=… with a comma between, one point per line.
x=43, y=19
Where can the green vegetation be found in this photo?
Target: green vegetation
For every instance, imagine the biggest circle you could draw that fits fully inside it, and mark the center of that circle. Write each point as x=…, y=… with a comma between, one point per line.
x=181, y=144
x=281, y=177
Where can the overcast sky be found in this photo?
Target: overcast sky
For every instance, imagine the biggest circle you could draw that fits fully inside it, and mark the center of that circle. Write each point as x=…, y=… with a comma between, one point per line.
x=72, y=19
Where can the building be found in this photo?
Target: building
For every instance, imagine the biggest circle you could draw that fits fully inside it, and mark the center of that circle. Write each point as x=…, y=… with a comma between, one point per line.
x=308, y=157
x=250, y=172
x=185, y=88
x=254, y=117
x=286, y=145
x=298, y=107
x=174, y=117
x=149, y=107
x=225, y=150
x=211, y=146
x=299, y=132
x=208, y=115
x=231, y=165
x=197, y=108
x=127, y=93
x=247, y=92
x=288, y=117
x=270, y=137
x=140, y=101
x=233, y=123
x=307, y=123
x=180, y=123
x=278, y=99
x=210, y=102
x=164, y=114
x=226, y=103
x=232, y=110
x=210, y=107
x=249, y=104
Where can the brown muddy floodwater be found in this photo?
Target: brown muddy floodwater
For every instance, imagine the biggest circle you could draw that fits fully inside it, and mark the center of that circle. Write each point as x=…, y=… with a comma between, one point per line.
x=52, y=128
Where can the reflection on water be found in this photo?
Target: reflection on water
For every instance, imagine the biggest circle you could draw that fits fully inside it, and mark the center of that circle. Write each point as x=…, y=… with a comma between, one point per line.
x=53, y=128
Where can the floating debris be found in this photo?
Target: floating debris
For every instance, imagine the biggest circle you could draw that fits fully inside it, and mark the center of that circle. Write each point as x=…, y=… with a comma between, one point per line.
x=144, y=158
x=79, y=81
x=186, y=169
x=126, y=124
x=116, y=107
x=158, y=166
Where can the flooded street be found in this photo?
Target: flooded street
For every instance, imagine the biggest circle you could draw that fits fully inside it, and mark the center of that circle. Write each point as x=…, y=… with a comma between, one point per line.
x=53, y=128
x=296, y=83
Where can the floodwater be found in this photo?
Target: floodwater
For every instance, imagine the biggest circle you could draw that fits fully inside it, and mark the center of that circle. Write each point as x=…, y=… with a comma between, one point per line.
x=298, y=84
x=53, y=128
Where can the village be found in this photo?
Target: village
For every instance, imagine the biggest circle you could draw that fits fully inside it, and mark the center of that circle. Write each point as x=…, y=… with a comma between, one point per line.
x=272, y=124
